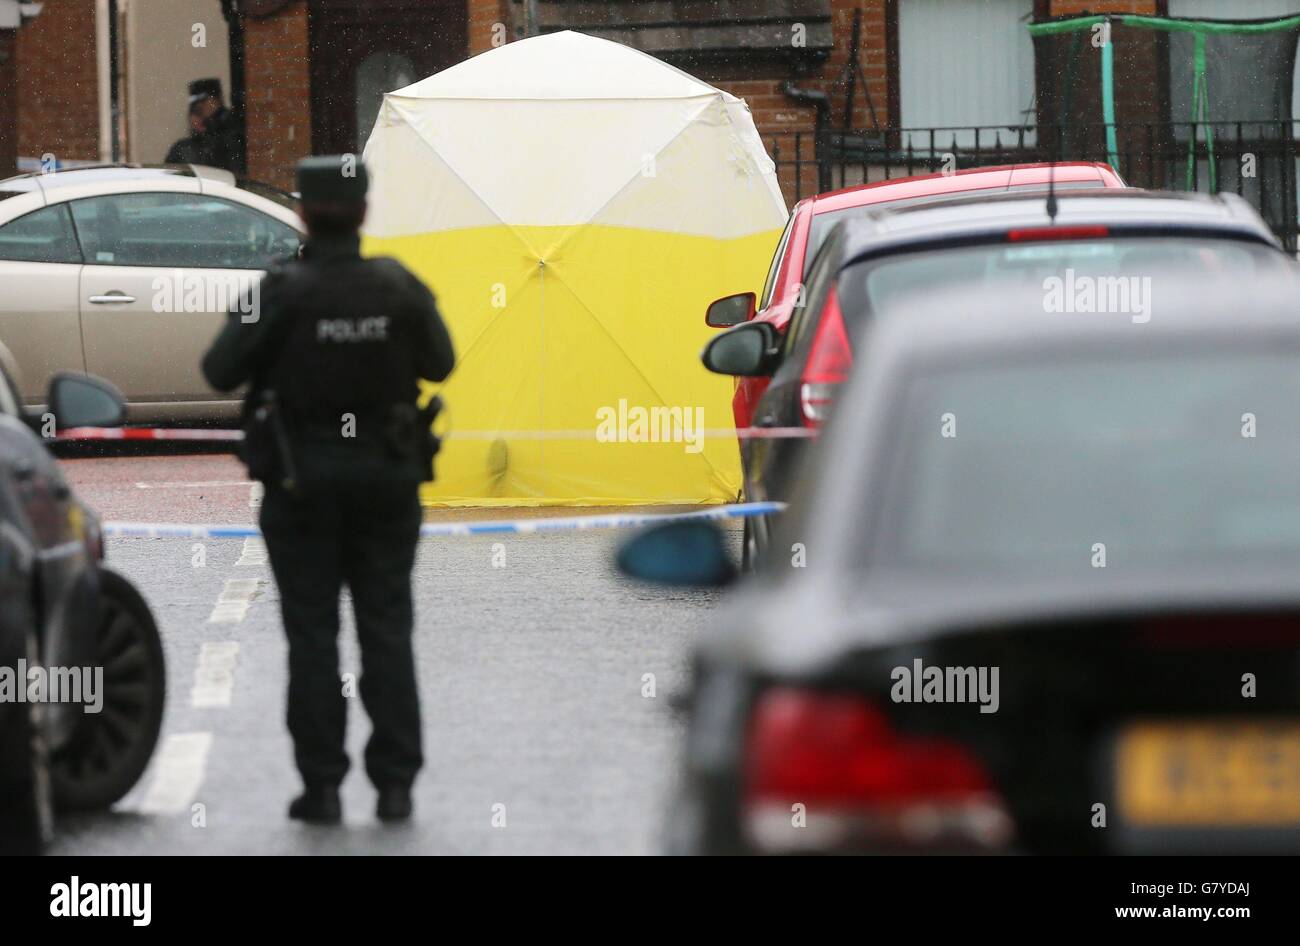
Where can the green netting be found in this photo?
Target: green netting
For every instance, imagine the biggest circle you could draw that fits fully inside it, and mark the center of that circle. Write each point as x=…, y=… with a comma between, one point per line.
x=1173, y=101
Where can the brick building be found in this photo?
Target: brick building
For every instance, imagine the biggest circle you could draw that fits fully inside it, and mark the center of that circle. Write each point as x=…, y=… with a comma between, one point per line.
x=87, y=80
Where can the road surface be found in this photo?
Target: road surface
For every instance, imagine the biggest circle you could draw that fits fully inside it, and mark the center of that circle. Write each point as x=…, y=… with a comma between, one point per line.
x=533, y=656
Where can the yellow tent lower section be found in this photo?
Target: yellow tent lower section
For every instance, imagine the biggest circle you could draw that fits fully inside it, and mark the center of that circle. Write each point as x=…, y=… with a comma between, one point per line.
x=578, y=379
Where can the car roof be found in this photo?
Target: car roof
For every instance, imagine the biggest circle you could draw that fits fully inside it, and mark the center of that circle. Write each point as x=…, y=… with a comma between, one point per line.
x=51, y=182
x=33, y=190
x=962, y=217
x=1000, y=177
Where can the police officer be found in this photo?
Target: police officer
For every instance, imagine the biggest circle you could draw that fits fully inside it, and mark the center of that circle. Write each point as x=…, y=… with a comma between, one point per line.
x=188, y=150
x=216, y=134
x=332, y=356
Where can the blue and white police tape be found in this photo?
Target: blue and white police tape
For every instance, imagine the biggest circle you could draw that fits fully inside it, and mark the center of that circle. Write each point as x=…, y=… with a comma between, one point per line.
x=167, y=530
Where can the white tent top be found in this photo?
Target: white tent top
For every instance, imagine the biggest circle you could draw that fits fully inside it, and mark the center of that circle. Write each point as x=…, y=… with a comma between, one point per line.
x=565, y=65
x=568, y=129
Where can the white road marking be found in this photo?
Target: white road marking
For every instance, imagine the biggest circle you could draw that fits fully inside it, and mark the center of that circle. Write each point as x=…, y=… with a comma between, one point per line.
x=234, y=600
x=178, y=773
x=214, y=677
x=254, y=552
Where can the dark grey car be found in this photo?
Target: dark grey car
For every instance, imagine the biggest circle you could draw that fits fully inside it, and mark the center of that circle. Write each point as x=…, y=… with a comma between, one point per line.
x=1038, y=590
x=82, y=678
x=970, y=240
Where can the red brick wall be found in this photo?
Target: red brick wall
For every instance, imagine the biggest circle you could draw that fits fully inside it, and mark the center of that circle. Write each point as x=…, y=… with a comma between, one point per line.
x=774, y=111
x=277, y=78
x=777, y=115
x=483, y=16
x=57, y=87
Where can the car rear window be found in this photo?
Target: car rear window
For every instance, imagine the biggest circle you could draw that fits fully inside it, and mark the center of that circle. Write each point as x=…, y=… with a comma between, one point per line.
x=1061, y=466
x=884, y=284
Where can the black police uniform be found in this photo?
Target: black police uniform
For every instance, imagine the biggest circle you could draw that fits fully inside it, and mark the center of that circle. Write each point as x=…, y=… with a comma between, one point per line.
x=187, y=150
x=341, y=341
x=221, y=144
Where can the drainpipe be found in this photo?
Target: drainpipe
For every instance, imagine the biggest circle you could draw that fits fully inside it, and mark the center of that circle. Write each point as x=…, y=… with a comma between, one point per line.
x=113, y=16
x=822, y=102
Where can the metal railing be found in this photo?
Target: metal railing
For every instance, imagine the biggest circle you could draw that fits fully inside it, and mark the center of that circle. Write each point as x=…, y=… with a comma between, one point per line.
x=1255, y=159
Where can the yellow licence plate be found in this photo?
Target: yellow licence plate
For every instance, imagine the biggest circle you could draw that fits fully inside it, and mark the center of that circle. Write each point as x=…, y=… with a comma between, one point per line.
x=1207, y=774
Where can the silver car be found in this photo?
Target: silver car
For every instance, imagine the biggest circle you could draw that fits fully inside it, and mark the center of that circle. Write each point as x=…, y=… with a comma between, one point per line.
x=127, y=272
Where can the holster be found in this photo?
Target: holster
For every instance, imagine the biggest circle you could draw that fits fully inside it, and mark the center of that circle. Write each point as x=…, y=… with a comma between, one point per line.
x=430, y=442
x=267, y=451
x=409, y=437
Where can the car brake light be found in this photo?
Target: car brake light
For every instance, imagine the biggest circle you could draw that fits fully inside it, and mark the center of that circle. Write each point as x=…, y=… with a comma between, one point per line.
x=828, y=363
x=860, y=782
x=1040, y=234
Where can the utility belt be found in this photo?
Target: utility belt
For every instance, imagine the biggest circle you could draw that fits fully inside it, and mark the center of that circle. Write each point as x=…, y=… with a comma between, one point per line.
x=402, y=431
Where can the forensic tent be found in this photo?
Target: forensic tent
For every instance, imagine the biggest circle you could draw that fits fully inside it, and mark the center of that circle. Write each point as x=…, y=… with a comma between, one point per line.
x=575, y=205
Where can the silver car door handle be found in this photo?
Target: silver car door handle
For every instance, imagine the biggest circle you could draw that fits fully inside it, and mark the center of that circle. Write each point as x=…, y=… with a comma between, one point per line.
x=110, y=298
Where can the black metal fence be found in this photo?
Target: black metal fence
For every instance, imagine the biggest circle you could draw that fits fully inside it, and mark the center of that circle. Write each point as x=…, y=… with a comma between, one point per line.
x=1255, y=159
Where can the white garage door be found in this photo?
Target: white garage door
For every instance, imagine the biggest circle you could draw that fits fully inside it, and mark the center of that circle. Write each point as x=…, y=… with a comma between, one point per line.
x=965, y=63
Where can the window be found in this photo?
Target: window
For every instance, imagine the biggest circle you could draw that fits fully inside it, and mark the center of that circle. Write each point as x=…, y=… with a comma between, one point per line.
x=947, y=78
x=888, y=284
x=1057, y=452
x=42, y=236
x=380, y=72
x=776, y=266
x=798, y=336
x=165, y=229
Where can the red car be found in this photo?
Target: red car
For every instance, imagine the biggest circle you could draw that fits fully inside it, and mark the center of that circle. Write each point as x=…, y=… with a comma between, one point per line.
x=812, y=219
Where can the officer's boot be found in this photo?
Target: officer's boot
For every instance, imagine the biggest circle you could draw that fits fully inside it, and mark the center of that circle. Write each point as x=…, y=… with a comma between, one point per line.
x=394, y=803
x=318, y=804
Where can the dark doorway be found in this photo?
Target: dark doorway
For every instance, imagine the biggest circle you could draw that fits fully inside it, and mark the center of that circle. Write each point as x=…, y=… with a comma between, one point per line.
x=8, y=105
x=361, y=49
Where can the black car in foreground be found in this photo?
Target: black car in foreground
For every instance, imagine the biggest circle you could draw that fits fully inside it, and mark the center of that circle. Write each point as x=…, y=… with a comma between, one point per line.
x=82, y=677
x=873, y=262
x=1038, y=591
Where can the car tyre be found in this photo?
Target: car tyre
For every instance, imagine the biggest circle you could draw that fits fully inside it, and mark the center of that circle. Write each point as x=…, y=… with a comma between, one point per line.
x=26, y=812
x=109, y=750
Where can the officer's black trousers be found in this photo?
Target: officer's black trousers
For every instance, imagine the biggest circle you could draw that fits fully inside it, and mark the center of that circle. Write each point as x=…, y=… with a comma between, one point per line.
x=363, y=535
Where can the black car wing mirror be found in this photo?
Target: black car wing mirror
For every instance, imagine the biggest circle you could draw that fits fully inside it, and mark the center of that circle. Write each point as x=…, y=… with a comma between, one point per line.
x=731, y=310
x=692, y=554
x=747, y=350
x=78, y=400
